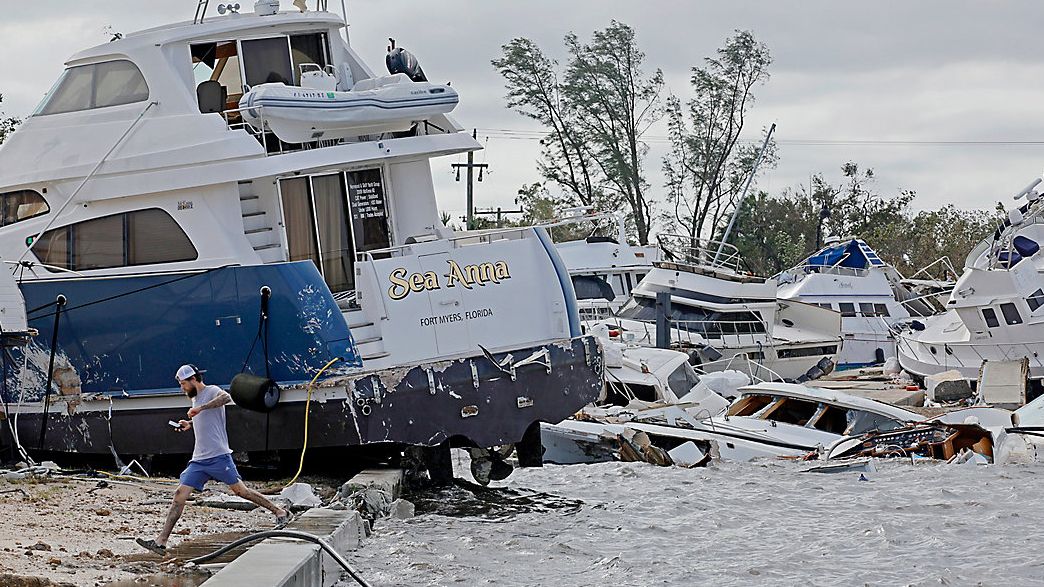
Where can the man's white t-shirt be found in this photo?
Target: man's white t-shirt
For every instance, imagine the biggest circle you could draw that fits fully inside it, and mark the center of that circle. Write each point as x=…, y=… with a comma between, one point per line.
x=209, y=426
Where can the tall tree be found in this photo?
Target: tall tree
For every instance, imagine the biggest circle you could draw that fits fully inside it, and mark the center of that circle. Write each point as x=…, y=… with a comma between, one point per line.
x=617, y=104
x=775, y=233
x=596, y=116
x=534, y=90
x=708, y=164
x=7, y=123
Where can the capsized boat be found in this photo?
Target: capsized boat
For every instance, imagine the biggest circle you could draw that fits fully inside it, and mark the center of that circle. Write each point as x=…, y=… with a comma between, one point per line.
x=767, y=420
x=159, y=229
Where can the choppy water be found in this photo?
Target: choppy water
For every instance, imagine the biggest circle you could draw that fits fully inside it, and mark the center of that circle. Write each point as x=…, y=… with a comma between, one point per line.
x=730, y=524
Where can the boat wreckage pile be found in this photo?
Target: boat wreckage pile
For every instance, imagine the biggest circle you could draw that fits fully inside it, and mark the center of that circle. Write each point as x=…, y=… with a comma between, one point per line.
x=690, y=419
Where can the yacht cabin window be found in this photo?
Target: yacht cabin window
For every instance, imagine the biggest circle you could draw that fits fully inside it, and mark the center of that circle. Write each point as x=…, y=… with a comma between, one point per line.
x=98, y=85
x=141, y=237
x=1011, y=314
x=21, y=205
x=991, y=317
x=238, y=65
x=847, y=309
x=1035, y=300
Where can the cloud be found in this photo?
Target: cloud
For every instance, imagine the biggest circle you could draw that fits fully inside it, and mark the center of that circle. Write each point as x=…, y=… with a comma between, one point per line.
x=933, y=70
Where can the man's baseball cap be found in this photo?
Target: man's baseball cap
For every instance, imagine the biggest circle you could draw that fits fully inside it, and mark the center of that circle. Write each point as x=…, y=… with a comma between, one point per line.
x=187, y=372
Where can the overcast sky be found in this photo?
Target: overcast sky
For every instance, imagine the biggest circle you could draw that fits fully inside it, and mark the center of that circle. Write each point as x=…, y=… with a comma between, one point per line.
x=941, y=74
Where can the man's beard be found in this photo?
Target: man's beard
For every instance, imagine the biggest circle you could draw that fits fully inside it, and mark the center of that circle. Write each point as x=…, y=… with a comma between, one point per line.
x=192, y=393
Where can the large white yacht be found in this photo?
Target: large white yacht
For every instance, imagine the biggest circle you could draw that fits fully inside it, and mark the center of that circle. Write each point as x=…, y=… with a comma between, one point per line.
x=165, y=211
x=996, y=310
x=849, y=277
x=726, y=318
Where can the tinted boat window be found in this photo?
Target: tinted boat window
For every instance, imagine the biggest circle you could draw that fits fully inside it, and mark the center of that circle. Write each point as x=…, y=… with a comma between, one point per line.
x=1011, y=314
x=22, y=205
x=1036, y=300
x=267, y=61
x=141, y=237
x=98, y=85
x=991, y=317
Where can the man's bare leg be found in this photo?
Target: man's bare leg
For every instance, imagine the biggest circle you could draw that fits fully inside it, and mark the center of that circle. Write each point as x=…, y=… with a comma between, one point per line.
x=176, y=508
x=245, y=492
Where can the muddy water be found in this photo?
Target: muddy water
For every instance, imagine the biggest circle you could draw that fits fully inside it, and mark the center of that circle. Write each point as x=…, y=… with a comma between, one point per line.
x=730, y=524
x=191, y=580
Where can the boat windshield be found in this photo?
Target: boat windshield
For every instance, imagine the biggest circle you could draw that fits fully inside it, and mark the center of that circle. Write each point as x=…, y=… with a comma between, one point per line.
x=97, y=85
x=709, y=323
x=682, y=380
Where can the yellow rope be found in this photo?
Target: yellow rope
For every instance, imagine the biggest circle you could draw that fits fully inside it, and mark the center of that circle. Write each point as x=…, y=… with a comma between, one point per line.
x=308, y=404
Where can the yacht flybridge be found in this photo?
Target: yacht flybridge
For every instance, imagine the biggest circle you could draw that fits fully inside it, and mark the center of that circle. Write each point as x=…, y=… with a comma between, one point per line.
x=996, y=310
x=160, y=218
x=700, y=301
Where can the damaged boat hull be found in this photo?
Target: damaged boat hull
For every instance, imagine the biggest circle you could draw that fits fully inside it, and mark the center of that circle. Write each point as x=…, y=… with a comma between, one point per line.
x=469, y=398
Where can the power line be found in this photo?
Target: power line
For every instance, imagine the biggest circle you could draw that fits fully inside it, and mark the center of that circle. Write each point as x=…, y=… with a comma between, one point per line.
x=535, y=135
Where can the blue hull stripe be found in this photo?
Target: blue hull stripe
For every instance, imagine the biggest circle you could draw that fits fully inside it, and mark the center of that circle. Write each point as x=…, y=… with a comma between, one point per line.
x=127, y=335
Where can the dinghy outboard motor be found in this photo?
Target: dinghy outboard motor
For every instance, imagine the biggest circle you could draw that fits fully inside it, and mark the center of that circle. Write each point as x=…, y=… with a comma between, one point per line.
x=400, y=60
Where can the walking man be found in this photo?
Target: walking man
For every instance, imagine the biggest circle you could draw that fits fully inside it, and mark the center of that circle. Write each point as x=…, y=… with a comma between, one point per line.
x=211, y=457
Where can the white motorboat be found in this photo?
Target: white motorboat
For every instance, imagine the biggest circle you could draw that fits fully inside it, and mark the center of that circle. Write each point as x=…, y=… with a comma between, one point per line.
x=767, y=420
x=158, y=229
x=996, y=310
x=604, y=269
x=727, y=319
x=849, y=277
x=391, y=103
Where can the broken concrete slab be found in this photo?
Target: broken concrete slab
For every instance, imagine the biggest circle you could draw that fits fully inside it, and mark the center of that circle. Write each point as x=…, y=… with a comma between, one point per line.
x=948, y=386
x=1002, y=384
x=300, y=495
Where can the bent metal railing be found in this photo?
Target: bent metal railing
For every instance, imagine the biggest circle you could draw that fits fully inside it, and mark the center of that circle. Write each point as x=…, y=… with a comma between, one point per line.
x=700, y=252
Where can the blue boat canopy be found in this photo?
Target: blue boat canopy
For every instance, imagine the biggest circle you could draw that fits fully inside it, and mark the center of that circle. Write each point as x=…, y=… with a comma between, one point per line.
x=854, y=253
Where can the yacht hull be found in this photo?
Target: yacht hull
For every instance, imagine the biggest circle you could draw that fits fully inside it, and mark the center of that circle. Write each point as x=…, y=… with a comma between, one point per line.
x=469, y=399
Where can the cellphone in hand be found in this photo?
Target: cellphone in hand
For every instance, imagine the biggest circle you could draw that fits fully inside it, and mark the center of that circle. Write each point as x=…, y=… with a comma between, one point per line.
x=174, y=424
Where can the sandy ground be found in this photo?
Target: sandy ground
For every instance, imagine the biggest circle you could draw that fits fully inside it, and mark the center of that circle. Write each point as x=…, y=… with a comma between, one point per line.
x=71, y=532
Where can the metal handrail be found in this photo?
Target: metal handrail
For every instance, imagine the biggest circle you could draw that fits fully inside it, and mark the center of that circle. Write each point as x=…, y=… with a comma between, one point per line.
x=715, y=329
x=702, y=252
x=469, y=238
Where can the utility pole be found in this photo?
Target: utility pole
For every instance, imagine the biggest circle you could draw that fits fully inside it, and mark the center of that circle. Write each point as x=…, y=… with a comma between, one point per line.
x=471, y=166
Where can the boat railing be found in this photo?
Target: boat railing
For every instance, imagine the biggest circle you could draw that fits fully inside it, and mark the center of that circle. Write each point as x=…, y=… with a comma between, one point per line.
x=700, y=252
x=755, y=368
x=832, y=270
x=696, y=332
x=465, y=239
x=942, y=263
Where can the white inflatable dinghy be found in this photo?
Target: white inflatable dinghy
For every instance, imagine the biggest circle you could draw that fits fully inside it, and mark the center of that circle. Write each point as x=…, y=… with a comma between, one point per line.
x=390, y=103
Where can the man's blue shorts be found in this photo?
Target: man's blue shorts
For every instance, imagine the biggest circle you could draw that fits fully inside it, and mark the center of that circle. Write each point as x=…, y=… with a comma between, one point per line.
x=220, y=468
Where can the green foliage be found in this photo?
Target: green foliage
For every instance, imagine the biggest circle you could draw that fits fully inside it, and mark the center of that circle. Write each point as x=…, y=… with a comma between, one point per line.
x=7, y=124
x=596, y=116
x=776, y=233
x=707, y=164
